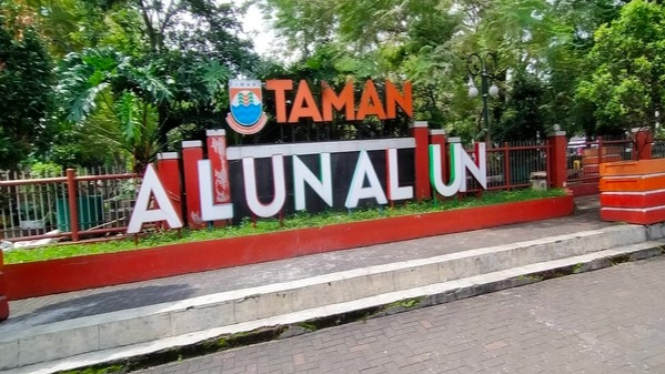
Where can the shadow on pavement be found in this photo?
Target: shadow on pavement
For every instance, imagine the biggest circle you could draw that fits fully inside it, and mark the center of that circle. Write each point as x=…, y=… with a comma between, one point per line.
x=105, y=302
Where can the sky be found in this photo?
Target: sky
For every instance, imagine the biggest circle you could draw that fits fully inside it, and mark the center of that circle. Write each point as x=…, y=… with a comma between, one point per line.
x=258, y=29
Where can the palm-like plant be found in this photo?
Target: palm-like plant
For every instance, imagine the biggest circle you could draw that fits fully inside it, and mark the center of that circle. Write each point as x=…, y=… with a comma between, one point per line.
x=103, y=78
x=138, y=95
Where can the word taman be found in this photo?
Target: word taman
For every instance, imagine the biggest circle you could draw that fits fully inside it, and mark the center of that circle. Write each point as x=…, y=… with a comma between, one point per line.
x=305, y=107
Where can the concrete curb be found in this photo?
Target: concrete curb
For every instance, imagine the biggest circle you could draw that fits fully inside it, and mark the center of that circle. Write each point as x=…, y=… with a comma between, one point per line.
x=172, y=348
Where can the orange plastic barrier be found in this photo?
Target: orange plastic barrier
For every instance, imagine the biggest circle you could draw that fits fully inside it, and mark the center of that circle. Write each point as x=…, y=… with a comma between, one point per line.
x=590, y=158
x=641, y=167
x=633, y=183
x=593, y=160
x=645, y=216
x=632, y=199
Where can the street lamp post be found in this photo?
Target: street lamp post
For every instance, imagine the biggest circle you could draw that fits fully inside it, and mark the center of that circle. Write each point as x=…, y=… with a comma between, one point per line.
x=484, y=67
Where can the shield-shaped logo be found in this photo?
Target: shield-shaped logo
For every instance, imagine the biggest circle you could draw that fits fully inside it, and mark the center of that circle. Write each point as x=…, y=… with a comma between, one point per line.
x=247, y=116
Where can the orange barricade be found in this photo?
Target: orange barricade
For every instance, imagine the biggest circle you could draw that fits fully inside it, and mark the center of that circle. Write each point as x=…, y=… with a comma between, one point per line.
x=642, y=167
x=633, y=191
x=633, y=183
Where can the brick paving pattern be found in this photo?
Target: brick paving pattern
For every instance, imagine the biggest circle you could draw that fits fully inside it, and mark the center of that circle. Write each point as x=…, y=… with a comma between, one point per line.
x=608, y=321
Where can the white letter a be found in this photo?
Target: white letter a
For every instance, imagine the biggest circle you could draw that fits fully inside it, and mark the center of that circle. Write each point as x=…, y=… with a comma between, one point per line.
x=152, y=186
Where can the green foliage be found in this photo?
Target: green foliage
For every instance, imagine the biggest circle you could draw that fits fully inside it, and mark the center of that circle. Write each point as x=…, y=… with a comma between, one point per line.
x=543, y=42
x=25, y=83
x=45, y=170
x=626, y=84
x=137, y=75
x=524, y=117
x=297, y=221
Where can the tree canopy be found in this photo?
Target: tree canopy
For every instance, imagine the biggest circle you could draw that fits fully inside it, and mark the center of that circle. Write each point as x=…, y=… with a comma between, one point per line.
x=26, y=77
x=133, y=77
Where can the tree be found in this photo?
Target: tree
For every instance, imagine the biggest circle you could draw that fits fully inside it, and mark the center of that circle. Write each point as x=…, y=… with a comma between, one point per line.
x=428, y=42
x=130, y=91
x=25, y=82
x=626, y=86
x=523, y=117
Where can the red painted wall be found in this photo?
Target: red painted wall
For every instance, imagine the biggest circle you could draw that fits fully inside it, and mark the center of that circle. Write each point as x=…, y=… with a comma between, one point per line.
x=79, y=273
x=4, y=305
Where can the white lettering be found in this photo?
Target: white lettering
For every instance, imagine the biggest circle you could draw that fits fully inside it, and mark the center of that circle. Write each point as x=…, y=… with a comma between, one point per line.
x=152, y=186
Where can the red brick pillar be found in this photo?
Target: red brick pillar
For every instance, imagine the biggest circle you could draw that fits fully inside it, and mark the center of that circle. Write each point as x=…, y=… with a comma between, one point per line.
x=643, y=144
x=4, y=304
x=420, y=134
x=439, y=137
x=192, y=153
x=221, y=185
x=168, y=169
x=558, y=163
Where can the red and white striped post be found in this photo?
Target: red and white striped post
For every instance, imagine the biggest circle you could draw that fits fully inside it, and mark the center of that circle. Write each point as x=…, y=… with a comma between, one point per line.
x=420, y=134
x=220, y=167
x=192, y=153
x=168, y=170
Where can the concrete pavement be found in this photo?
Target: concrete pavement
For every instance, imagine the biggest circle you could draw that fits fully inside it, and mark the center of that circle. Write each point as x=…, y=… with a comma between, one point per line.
x=142, y=320
x=608, y=321
x=70, y=305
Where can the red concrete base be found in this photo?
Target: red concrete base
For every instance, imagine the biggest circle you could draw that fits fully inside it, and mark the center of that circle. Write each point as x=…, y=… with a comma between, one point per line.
x=648, y=216
x=4, y=308
x=4, y=305
x=632, y=199
x=79, y=273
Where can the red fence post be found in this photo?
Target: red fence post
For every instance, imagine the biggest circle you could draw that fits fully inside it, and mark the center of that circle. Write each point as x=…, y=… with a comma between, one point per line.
x=219, y=163
x=168, y=169
x=506, y=165
x=643, y=145
x=192, y=153
x=73, y=204
x=558, y=166
x=4, y=304
x=423, y=187
x=600, y=152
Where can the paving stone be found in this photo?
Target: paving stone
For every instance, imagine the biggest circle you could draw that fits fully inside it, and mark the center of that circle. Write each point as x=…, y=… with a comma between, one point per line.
x=599, y=322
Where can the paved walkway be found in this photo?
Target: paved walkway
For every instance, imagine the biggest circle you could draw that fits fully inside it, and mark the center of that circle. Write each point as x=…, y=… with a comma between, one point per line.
x=61, y=307
x=608, y=321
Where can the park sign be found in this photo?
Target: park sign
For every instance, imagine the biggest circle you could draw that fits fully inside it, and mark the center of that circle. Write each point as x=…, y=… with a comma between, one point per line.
x=246, y=97
x=276, y=179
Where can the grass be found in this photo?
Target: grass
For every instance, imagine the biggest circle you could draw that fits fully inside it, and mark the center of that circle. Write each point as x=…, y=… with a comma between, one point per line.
x=296, y=221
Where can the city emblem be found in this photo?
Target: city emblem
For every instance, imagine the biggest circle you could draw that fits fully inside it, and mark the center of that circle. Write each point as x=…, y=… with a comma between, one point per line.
x=246, y=116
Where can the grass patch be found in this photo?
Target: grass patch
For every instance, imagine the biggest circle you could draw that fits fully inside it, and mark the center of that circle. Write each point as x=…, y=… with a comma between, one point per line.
x=296, y=221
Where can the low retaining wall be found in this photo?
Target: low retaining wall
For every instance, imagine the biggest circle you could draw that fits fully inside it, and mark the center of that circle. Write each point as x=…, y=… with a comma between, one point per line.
x=85, y=272
x=4, y=305
x=584, y=189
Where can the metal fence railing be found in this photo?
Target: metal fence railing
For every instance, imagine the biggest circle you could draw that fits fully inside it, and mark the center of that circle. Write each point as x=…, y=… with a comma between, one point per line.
x=39, y=208
x=583, y=158
x=512, y=165
x=658, y=148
